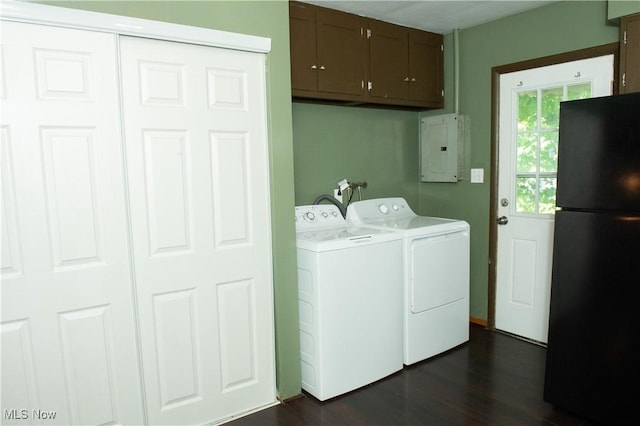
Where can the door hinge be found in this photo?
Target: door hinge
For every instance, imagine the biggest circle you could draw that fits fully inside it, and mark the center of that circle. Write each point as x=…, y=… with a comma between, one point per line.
x=624, y=37
x=443, y=93
x=369, y=85
x=368, y=32
x=624, y=79
x=442, y=47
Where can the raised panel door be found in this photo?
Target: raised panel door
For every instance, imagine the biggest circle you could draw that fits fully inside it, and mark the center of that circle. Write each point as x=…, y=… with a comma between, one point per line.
x=630, y=54
x=388, y=61
x=197, y=166
x=68, y=330
x=341, y=53
x=302, y=36
x=530, y=103
x=426, y=71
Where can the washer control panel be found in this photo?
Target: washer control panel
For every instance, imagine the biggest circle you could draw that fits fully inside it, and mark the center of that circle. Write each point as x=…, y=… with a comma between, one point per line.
x=318, y=216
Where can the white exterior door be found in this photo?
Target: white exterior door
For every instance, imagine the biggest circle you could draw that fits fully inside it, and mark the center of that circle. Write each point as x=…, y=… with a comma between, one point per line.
x=197, y=164
x=68, y=333
x=529, y=118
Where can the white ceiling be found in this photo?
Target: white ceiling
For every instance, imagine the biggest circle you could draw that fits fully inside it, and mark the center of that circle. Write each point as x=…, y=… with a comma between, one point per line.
x=433, y=15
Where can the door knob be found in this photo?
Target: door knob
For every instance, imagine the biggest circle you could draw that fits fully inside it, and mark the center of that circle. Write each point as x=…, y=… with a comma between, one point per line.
x=503, y=220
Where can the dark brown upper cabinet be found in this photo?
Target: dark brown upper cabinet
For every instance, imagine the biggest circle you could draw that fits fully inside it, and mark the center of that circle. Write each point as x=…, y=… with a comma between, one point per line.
x=405, y=66
x=630, y=54
x=328, y=53
x=337, y=56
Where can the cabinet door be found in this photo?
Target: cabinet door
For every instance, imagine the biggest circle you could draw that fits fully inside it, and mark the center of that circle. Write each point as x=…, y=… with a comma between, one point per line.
x=388, y=61
x=68, y=328
x=341, y=53
x=302, y=33
x=197, y=161
x=426, y=75
x=630, y=54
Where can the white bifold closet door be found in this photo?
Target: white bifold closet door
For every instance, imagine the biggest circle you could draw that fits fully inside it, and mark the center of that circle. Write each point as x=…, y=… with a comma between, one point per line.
x=68, y=331
x=136, y=247
x=196, y=149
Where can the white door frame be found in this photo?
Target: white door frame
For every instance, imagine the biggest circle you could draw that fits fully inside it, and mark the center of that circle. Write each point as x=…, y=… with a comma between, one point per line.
x=607, y=49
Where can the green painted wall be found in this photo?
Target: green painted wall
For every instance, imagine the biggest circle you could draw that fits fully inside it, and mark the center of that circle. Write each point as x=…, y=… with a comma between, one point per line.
x=360, y=144
x=556, y=28
x=617, y=9
x=267, y=19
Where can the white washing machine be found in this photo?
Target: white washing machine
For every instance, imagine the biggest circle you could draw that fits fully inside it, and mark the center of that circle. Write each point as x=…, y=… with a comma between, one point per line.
x=350, y=302
x=435, y=277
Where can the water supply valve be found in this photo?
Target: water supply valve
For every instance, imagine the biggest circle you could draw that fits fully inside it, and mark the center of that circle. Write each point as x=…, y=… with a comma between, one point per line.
x=359, y=186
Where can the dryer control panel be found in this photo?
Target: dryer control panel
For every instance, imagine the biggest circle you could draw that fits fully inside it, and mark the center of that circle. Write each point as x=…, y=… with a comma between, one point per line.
x=366, y=210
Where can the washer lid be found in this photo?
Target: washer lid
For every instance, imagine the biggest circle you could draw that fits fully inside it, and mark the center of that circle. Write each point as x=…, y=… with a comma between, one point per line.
x=342, y=237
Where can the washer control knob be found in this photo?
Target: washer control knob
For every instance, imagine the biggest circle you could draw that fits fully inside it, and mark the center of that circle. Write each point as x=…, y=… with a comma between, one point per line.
x=310, y=217
x=334, y=214
x=325, y=215
x=395, y=207
x=383, y=208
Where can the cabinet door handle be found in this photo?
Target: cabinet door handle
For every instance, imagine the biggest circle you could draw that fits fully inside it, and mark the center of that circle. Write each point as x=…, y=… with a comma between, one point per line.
x=406, y=79
x=413, y=80
x=322, y=67
x=313, y=67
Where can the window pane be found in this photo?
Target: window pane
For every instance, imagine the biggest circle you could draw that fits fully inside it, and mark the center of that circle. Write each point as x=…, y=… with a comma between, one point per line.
x=547, y=195
x=527, y=152
x=548, y=151
x=527, y=110
x=579, y=91
x=550, y=108
x=525, y=195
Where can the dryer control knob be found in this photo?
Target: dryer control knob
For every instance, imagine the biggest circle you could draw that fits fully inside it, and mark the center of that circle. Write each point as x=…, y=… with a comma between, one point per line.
x=325, y=215
x=308, y=216
x=383, y=208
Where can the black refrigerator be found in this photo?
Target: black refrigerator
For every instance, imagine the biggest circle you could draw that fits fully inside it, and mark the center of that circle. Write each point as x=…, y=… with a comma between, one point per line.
x=593, y=352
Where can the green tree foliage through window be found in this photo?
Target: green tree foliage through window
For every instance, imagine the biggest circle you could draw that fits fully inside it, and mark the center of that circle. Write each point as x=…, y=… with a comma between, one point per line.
x=537, y=145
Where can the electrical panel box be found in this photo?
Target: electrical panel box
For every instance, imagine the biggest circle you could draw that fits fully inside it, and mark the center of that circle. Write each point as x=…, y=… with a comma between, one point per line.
x=442, y=148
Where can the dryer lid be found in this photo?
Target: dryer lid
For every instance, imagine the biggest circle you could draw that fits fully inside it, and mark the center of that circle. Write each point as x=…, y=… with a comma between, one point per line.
x=394, y=214
x=408, y=223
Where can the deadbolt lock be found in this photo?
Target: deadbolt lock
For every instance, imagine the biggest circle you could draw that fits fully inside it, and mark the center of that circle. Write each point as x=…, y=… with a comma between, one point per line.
x=504, y=202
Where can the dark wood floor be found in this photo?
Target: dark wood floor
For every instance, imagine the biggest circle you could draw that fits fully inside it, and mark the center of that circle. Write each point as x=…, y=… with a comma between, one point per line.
x=494, y=379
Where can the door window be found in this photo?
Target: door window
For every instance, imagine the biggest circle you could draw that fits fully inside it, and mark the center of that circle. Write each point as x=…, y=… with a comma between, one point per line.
x=536, y=127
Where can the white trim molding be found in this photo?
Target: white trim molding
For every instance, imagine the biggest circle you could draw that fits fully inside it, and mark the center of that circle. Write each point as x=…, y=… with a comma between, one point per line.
x=20, y=11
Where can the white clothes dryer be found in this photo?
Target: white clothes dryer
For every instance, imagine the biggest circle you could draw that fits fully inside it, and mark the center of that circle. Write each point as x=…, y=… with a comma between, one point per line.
x=350, y=302
x=435, y=274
